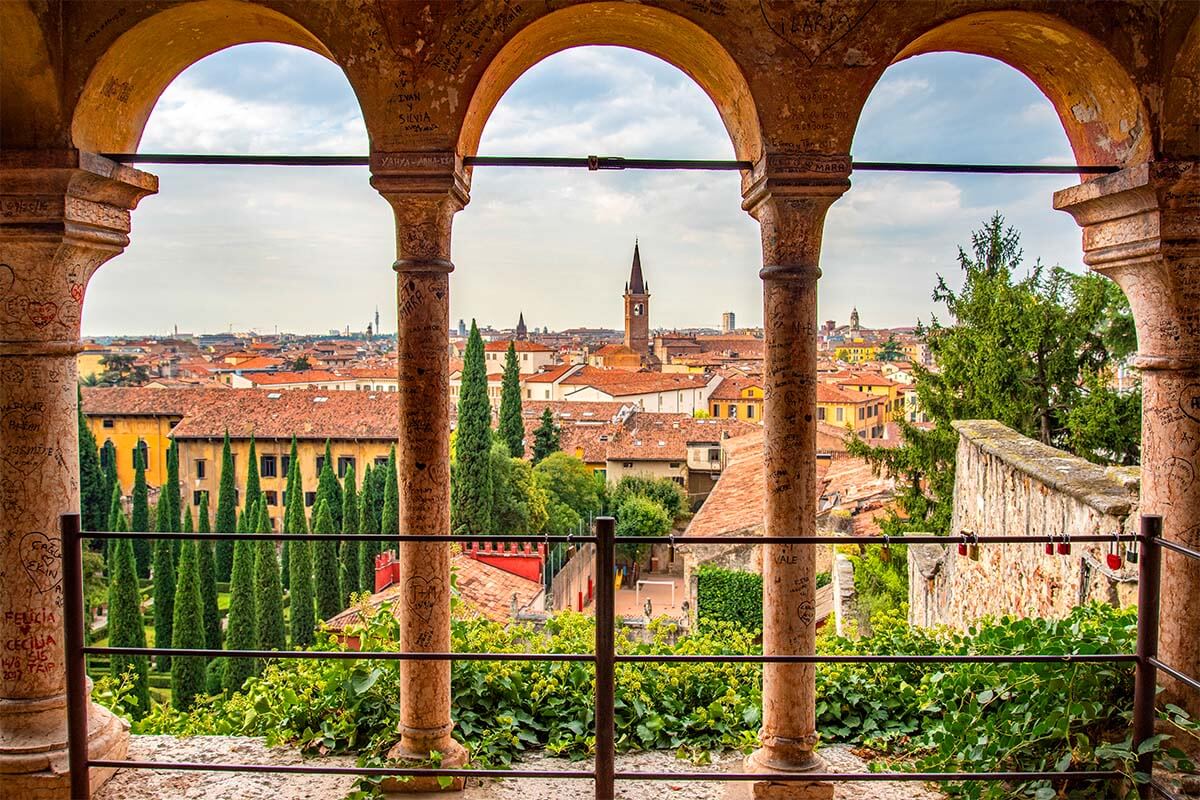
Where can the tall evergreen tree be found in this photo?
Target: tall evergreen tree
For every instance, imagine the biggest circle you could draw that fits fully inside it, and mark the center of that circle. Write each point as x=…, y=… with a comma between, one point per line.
x=93, y=500
x=140, y=519
x=172, y=490
x=187, y=631
x=269, y=630
x=253, y=489
x=300, y=581
x=108, y=461
x=242, y=612
x=164, y=597
x=126, y=627
x=546, y=437
x=115, y=516
x=206, y=558
x=292, y=486
x=348, y=578
x=367, y=523
x=226, y=513
x=325, y=565
x=203, y=521
x=512, y=425
x=330, y=487
x=389, y=517
x=471, y=506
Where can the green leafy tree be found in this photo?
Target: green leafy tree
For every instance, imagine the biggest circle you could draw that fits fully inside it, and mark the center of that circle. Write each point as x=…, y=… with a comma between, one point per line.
x=1105, y=425
x=121, y=370
x=512, y=425
x=640, y=516
x=329, y=487
x=348, y=553
x=187, y=632
x=300, y=579
x=126, y=627
x=389, y=516
x=226, y=512
x=115, y=514
x=140, y=513
x=664, y=491
x=242, y=614
x=368, y=522
x=891, y=350
x=164, y=597
x=301, y=364
x=269, y=631
x=546, y=438
x=572, y=492
x=471, y=480
x=93, y=499
x=253, y=486
x=206, y=557
x=325, y=564
x=518, y=503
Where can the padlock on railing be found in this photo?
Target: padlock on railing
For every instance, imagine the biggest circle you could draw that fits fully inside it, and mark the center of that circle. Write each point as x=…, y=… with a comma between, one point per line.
x=1113, y=558
x=1064, y=545
x=1050, y=545
x=1131, y=551
x=973, y=548
x=885, y=551
x=962, y=546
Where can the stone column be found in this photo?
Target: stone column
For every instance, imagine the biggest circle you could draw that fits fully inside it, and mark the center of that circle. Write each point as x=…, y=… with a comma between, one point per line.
x=1141, y=227
x=62, y=215
x=425, y=190
x=789, y=195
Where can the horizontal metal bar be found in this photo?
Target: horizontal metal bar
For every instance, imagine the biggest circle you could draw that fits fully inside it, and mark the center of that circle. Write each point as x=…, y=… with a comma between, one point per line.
x=355, y=655
x=336, y=537
x=1176, y=674
x=897, y=540
x=1162, y=791
x=417, y=772
x=1182, y=549
x=341, y=655
x=597, y=163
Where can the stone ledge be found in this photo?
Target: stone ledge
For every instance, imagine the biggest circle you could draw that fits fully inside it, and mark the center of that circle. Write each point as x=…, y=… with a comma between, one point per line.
x=1112, y=491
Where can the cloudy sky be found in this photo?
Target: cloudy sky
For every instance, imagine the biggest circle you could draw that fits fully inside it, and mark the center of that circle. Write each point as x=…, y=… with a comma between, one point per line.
x=310, y=249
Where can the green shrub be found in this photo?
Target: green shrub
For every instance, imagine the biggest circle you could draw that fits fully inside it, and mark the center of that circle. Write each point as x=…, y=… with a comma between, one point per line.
x=734, y=596
x=664, y=491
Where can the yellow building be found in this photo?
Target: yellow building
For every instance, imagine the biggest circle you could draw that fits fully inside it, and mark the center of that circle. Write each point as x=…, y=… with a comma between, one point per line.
x=87, y=363
x=866, y=414
x=125, y=416
x=737, y=398
x=856, y=353
x=871, y=383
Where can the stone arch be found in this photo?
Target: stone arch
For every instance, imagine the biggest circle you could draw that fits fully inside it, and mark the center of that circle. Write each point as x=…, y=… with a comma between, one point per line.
x=127, y=80
x=1181, y=105
x=659, y=33
x=28, y=83
x=1095, y=97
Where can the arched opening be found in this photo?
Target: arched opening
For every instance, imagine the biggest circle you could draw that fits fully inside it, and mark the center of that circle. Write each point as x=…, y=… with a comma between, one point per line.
x=1095, y=98
x=32, y=101
x=651, y=30
x=1181, y=106
x=125, y=84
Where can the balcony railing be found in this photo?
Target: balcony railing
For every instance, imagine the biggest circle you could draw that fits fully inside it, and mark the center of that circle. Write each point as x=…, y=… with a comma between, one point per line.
x=1149, y=539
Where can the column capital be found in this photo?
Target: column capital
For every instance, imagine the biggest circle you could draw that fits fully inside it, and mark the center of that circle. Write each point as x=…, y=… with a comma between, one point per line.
x=425, y=190
x=794, y=175
x=63, y=213
x=789, y=194
x=1141, y=227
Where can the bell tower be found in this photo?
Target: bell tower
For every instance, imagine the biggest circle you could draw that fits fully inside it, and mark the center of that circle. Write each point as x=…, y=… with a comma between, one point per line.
x=637, y=308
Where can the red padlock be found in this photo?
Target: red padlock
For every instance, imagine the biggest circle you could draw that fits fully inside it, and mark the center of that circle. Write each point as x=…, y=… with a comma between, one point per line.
x=962, y=547
x=1113, y=559
x=1064, y=546
x=1050, y=545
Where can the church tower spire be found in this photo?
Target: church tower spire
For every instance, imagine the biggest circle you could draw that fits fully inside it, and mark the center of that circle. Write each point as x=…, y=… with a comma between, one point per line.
x=637, y=307
x=522, y=331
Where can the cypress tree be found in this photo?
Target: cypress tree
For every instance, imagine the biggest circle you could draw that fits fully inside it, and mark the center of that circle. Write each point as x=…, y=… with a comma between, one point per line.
x=300, y=582
x=140, y=520
x=512, y=426
x=367, y=524
x=325, y=564
x=389, y=520
x=164, y=598
x=329, y=486
x=348, y=579
x=172, y=490
x=108, y=458
x=546, y=437
x=242, y=614
x=294, y=458
x=206, y=558
x=115, y=517
x=93, y=499
x=269, y=631
x=187, y=632
x=125, y=624
x=471, y=507
x=253, y=490
x=226, y=513
x=203, y=522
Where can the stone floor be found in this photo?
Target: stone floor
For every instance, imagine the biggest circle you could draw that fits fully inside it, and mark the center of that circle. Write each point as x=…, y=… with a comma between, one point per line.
x=156, y=785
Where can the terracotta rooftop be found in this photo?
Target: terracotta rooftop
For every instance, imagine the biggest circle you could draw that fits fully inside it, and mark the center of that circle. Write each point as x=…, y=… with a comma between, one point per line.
x=621, y=383
x=257, y=362
x=665, y=437
x=550, y=375
x=520, y=345
x=143, y=402
x=832, y=394
x=306, y=413
x=307, y=376
x=731, y=388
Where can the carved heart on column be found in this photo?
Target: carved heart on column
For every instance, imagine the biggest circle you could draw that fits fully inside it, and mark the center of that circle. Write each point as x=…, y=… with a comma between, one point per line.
x=42, y=314
x=42, y=559
x=814, y=29
x=422, y=595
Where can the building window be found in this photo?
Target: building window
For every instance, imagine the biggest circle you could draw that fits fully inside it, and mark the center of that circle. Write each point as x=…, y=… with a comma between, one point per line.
x=197, y=497
x=861, y=413
x=310, y=498
x=627, y=465
x=840, y=414
x=821, y=414
x=285, y=464
x=141, y=451
x=381, y=461
x=201, y=469
x=529, y=394
x=674, y=465
x=320, y=464
x=733, y=410
x=105, y=454
x=344, y=463
x=267, y=466
x=749, y=412
x=108, y=423
x=716, y=410
x=678, y=480
x=714, y=454
x=272, y=498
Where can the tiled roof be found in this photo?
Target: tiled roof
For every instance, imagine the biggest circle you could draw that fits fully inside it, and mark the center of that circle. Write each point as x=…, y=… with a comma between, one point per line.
x=614, y=350
x=306, y=413
x=520, y=345
x=622, y=383
x=375, y=372
x=307, y=376
x=551, y=375
x=732, y=388
x=140, y=401
x=832, y=394
x=665, y=437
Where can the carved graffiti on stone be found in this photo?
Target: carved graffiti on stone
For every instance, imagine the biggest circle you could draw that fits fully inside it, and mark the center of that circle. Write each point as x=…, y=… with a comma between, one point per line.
x=1179, y=475
x=814, y=28
x=1189, y=401
x=422, y=594
x=42, y=558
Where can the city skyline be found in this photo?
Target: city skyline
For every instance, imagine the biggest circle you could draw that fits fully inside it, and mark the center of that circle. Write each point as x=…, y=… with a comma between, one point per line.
x=255, y=244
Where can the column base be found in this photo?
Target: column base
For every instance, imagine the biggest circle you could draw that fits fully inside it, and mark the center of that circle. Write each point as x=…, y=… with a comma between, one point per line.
x=33, y=748
x=767, y=760
x=453, y=755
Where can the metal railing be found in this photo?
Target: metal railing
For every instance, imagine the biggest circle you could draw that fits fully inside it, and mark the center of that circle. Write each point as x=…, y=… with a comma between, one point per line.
x=605, y=658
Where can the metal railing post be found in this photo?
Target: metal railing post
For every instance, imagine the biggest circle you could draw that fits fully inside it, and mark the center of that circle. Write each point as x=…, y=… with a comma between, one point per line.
x=606, y=528
x=73, y=622
x=1145, y=684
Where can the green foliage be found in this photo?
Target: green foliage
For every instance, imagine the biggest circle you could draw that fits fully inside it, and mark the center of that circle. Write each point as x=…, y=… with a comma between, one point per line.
x=121, y=370
x=325, y=564
x=1105, y=425
x=640, y=516
x=164, y=597
x=226, y=512
x=546, y=437
x=242, y=610
x=115, y=515
x=172, y=491
x=208, y=585
x=518, y=503
x=187, y=632
x=294, y=484
x=664, y=491
x=726, y=596
x=269, y=631
x=471, y=479
x=511, y=428
x=329, y=488
x=880, y=582
x=571, y=490
x=140, y=514
x=126, y=627
x=369, y=512
x=300, y=577
x=348, y=553
x=890, y=350
x=389, y=516
x=93, y=498
x=253, y=487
